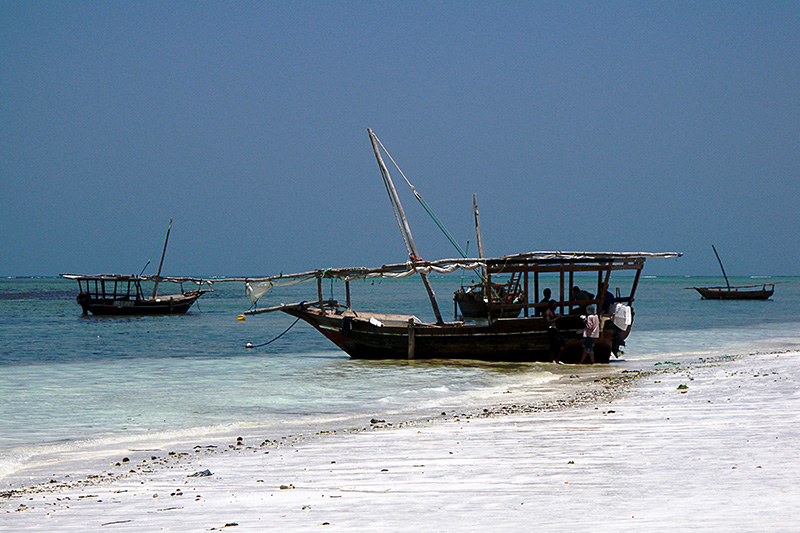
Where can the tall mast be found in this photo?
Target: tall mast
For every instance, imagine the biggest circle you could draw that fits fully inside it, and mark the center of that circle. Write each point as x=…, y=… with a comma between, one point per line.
x=406, y=229
x=478, y=238
x=477, y=225
x=163, y=253
x=722, y=267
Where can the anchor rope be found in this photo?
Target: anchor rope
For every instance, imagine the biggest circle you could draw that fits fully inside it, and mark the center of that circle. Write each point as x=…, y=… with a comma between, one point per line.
x=278, y=337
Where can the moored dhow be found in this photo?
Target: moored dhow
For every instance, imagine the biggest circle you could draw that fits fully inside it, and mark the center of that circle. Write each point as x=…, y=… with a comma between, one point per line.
x=118, y=294
x=514, y=329
x=370, y=335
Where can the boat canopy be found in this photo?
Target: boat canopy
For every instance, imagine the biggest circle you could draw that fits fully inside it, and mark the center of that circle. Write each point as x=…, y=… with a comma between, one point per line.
x=134, y=277
x=111, y=285
x=257, y=287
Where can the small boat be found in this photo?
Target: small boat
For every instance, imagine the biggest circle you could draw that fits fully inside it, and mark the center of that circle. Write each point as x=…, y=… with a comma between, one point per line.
x=473, y=301
x=742, y=292
x=372, y=335
x=118, y=294
x=762, y=291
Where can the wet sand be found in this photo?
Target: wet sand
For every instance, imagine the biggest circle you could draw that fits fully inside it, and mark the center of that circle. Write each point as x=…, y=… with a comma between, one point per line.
x=709, y=446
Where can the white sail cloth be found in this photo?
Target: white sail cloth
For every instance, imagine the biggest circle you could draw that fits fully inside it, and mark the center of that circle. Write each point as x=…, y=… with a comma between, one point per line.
x=257, y=289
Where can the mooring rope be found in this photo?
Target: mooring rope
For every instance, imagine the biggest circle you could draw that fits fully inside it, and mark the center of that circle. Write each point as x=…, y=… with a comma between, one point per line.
x=276, y=338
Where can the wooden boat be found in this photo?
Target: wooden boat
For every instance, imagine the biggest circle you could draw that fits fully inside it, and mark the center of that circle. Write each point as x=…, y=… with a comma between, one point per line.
x=762, y=291
x=473, y=300
x=117, y=294
x=370, y=335
x=742, y=292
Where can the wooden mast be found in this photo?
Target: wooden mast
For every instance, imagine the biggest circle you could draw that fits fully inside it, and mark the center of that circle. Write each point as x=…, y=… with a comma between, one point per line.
x=163, y=253
x=722, y=267
x=485, y=277
x=406, y=229
x=477, y=225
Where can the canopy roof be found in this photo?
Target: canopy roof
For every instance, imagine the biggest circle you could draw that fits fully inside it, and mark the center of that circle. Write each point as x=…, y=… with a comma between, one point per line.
x=133, y=277
x=257, y=287
x=450, y=265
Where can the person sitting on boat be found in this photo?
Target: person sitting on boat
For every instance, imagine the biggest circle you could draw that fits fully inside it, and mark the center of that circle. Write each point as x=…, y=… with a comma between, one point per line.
x=555, y=337
x=546, y=298
x=591, y=332
x=580, y=295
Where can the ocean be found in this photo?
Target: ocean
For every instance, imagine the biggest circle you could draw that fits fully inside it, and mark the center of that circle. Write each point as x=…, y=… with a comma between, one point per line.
x=76, y=387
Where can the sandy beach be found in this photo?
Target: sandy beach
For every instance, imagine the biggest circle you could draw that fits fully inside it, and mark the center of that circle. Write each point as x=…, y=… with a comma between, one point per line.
x=707, y=446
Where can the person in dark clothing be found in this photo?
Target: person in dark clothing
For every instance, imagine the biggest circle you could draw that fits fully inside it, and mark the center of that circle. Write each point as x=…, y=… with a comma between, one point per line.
x=540, y=311
x=578, y=295
x=557, y=341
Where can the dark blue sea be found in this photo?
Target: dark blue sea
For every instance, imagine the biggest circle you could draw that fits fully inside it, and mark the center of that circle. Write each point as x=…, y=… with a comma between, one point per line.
x=73, y=385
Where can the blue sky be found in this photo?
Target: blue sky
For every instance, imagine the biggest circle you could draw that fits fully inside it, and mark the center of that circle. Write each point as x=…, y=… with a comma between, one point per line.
x=625, y=126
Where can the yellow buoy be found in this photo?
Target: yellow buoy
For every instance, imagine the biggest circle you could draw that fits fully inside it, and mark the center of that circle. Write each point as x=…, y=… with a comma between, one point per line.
x=240, y=317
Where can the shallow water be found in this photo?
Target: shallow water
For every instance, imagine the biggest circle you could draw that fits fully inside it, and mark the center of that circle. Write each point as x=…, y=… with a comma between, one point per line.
x=70, y=383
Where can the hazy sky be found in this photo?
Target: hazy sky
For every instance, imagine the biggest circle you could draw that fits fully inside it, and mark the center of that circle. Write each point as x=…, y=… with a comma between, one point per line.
x=624, y=126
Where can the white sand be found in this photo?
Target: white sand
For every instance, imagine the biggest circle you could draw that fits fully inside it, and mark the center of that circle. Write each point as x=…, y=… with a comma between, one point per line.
x=722, y=455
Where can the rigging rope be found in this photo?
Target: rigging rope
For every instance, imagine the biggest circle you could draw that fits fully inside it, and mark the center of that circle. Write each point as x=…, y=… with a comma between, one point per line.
x=152, y=254
x=422, y=202
x=427, y=208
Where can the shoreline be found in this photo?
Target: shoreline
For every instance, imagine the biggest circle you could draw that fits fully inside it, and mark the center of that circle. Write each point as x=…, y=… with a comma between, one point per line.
x=591, y=385
x=99, y=458
x=271, y=469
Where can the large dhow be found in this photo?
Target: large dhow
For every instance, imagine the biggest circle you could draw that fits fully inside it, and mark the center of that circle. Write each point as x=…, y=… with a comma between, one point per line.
x=521, y=335
x=119, y=294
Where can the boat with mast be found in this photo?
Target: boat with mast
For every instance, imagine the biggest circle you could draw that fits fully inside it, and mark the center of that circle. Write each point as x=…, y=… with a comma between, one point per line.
x=742, y=292
x=119, y=294
x=472, y=301
x=372, y=335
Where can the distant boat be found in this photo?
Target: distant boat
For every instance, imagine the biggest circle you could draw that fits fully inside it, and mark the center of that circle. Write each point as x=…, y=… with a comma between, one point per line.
x=118, y=294
x=742, y=292
x=474, y=301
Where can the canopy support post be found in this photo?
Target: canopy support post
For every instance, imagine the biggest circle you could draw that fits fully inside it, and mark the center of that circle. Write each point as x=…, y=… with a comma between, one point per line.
x=411, y=339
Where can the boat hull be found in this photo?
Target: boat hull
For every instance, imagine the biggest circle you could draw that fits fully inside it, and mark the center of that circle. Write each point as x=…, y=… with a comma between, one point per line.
x=390, y=337
x=162, y=305
x=734, y=293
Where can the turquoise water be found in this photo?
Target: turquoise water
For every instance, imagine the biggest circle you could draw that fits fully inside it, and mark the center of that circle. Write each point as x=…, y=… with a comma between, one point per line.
x=69, y=381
